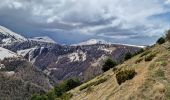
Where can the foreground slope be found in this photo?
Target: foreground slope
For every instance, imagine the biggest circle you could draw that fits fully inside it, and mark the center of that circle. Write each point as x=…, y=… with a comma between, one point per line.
x=152, y=81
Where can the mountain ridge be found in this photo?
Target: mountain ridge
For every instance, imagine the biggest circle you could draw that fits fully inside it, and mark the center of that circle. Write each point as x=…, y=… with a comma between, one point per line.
x=56, y=63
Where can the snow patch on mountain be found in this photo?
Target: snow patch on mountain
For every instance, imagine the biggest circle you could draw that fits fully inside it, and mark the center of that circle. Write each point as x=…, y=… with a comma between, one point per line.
x=92, y=42
x=26, y=51
x=42, y=39
x=31, y=53
x=108, y=50
x=77, y=56
x=4, y=53
x=101, y=41
x=7, y=36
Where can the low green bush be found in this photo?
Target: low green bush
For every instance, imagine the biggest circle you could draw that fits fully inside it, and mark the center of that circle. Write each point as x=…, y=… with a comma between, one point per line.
x=150, y=57
x=39, y=97
x=145, y=53
x=128, y=56
x=109, y=63
x=138, y=60
x=95, y=83
x=124, y=75
x=59, y=92
x=66, y=96
x=161, y=40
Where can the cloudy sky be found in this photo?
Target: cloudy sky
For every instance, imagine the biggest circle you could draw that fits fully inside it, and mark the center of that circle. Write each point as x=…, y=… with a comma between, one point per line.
x=72, y=21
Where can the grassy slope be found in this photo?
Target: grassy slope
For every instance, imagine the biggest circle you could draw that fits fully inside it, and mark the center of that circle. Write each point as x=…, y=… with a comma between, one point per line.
x=152, y=81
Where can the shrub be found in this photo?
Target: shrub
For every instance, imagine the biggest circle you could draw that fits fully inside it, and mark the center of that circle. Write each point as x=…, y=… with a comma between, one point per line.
x=114, y=69
x=108, y=65
x=150, y=57
x=93, y=83
x=66, y=96
x=128, y=56
x=138, y=60
x=168, y=35
x=51, y=95
x=161, y=40
x=59, y=91
x=124, y=75
x=145, y=53
x=39, y=97
x=69, y=84
x=72, y=83
x=66, y=86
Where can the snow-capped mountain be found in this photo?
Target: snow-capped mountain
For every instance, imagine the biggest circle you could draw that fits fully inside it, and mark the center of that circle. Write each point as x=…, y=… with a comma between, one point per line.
x=4, y=53
x=92, y=42
x=42, y=39
x=8, y=37
x=101, y=41
x=61, y=62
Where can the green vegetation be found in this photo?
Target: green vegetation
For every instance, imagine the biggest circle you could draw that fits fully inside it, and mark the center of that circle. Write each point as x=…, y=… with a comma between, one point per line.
x=159, y=73
x=150, y=57
x=124, y=75
x=167, y=92
x=59, y=92
x=145, y=53
x=128, y=56
x=93, y=83
x=138, y=60
x=161, y=40
x=39, y=97
x=108, y=65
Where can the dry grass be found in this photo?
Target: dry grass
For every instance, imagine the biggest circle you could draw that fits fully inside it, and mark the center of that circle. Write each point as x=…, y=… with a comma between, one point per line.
x=152, y=81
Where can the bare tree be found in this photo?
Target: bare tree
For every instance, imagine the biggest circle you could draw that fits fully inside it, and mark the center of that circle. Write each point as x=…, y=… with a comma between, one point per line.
x=168, y=35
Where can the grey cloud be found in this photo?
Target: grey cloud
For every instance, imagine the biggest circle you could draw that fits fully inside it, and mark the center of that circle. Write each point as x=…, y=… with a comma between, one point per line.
x=85, y=17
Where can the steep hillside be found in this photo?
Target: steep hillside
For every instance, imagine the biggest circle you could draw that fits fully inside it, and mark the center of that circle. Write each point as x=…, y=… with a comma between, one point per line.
x=6, y=53
x=151, y=81
x=19, y=80
x=8, y=37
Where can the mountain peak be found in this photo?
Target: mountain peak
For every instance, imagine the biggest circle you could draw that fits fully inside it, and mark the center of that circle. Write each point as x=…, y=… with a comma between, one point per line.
x=92, y=42
x=8, y=36
x=42, y=39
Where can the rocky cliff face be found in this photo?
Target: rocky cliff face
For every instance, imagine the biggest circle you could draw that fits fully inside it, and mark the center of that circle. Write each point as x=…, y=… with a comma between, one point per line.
x=63, y=62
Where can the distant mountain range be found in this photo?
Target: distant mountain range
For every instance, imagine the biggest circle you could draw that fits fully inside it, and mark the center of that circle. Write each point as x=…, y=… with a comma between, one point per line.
x=59, y=62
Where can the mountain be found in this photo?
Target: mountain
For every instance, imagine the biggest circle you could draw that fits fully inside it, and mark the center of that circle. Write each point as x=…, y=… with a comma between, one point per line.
x=19, y=79
x=63, y=62
x=4, y=53
x=92, y=42
x=40, y=63
x=8, y=37
x=144, y=77
x=42, y=39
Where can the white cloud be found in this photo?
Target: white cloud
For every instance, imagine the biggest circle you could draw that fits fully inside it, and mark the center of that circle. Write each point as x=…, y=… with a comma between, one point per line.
x=91, y=16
